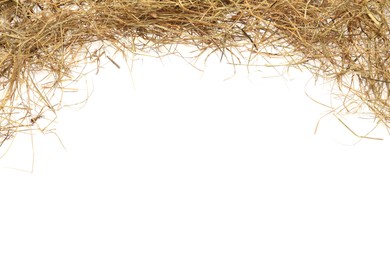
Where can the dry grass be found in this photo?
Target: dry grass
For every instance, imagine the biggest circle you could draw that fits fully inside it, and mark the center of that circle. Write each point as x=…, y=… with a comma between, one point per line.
x=41, y=42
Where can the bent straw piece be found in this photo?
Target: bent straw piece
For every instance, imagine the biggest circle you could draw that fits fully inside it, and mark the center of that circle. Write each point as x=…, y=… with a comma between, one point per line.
x=343, y=41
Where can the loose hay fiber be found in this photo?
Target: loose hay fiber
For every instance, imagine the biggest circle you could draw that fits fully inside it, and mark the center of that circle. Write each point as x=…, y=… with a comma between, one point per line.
x=343, y=41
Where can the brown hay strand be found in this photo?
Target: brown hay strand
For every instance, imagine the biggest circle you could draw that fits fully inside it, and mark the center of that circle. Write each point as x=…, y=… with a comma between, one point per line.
x=41, y=42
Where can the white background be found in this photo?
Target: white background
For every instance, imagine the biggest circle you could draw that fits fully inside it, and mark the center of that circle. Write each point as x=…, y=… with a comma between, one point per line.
x=172, y=163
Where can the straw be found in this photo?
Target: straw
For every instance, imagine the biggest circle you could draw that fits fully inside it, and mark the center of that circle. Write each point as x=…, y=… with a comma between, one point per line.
x=42, y=42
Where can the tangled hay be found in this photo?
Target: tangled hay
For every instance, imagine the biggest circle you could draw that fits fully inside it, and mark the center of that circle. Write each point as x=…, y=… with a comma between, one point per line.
x=41, y=42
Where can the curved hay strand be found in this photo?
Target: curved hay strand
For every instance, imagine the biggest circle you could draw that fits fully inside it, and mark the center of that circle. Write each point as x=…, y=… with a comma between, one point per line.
x=346, y=41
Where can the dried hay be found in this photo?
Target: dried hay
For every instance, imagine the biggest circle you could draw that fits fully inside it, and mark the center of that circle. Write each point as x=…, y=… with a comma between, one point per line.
x=345, y=41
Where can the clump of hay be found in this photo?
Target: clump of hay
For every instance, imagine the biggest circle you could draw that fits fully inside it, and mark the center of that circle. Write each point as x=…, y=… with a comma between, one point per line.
x=344, y=41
